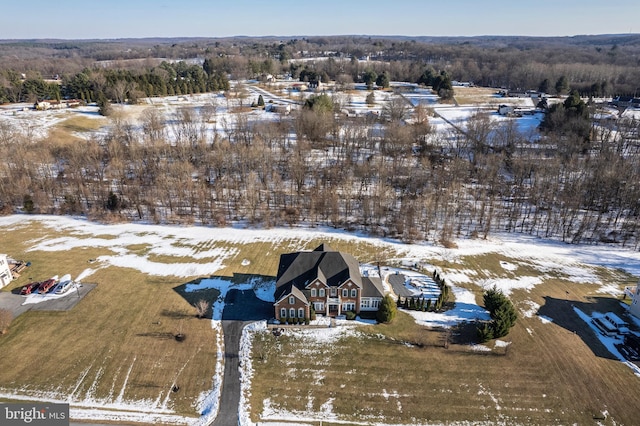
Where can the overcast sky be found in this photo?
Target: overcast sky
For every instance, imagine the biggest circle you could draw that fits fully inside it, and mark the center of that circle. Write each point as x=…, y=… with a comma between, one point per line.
x=88, y=19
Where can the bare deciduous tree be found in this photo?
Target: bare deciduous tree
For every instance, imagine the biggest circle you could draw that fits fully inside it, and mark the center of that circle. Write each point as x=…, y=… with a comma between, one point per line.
x=202, y=307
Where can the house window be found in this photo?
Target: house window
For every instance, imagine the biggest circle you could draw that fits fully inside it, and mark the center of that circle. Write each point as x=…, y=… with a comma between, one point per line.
x=354, y=292
x=301, y=313
x=321, y=292
x=318, y=306
x=334, y=292
x=348, y=307
x=374, y=303
x=292, y=313
x=283, y=313
x=364, y=303
x=345, y=292
x=292, y=300
x=313, y=292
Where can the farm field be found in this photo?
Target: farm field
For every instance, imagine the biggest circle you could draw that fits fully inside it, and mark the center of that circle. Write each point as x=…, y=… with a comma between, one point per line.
x=120, y=361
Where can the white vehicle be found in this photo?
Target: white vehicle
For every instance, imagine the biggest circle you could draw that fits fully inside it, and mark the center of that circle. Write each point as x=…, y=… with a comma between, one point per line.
x=65, y=284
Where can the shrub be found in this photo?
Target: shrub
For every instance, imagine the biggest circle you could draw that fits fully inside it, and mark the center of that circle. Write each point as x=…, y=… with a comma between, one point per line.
x=202, y=307
x=351, y=315
x=503, y=315
x=485, y=333
x=387, y=310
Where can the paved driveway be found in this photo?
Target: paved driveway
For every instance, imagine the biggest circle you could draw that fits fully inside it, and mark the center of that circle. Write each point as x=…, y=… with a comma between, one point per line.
x=14, y=302
x=241, y=308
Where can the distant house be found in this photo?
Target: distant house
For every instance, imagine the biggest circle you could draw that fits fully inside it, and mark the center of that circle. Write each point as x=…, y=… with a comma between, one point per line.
x=505, y=110
x=54, y=104
x=626, y=102
x=327, y=280
x=279, y=109
x=5, y=271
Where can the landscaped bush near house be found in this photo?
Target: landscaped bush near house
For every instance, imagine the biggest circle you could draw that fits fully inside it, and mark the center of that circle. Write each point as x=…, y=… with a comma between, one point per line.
x=350, y=315
x=503, y=315
x=387, y=310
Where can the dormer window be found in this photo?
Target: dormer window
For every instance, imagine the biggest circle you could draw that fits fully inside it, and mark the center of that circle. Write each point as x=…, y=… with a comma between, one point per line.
x=292, y=300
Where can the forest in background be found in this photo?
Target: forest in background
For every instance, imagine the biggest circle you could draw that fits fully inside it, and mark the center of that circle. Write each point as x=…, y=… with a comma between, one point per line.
x=581, y=183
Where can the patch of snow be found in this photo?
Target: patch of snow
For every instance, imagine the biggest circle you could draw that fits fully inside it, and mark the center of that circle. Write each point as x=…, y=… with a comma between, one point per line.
x=480, y=348
x=545, y=319
x=506, y=285
x=508, y=266
x=531, y=309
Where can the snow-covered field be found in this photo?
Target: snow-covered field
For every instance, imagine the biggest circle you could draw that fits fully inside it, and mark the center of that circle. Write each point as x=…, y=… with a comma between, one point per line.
x=223, y=114
x=577, y=263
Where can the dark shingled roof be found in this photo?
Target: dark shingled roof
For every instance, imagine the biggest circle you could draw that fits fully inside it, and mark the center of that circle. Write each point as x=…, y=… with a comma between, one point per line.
x=372, y=287
x=300, y=268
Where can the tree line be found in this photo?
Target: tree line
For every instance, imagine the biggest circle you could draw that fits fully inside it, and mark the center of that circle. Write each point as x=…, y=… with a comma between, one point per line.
x=116, y=85
x=319, y=168
x=597, y=66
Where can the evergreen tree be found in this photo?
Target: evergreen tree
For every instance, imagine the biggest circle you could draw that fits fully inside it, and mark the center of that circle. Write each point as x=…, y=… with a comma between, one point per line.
x=544, y=86
x=104, y=106
x=383, y=80
x=485, y=332
x=27, y=204
x=562, y=85
x=113, y=202
x=369, y=77
x=370, y=99
x=387, y=310
x=502, y=312
x=260, y=101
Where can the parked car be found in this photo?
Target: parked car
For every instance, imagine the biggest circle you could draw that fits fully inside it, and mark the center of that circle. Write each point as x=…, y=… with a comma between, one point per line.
x=65, y=284
x=30, y=288
x=47, y=285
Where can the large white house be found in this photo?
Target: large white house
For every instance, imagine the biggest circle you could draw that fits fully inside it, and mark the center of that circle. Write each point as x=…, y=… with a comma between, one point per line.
x=5, y=272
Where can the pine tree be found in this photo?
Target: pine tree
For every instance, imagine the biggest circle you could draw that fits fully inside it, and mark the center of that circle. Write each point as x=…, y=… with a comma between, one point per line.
x=260, y=101
x=502, y=312
x=387, y=310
